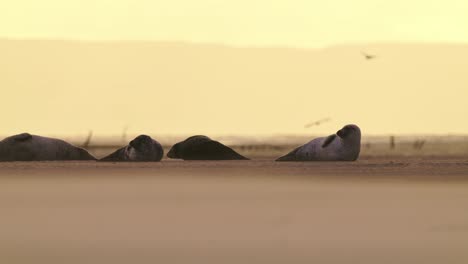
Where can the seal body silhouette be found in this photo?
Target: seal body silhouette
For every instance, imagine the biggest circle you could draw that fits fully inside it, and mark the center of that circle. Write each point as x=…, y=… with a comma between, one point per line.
x=27, y=147
x=142, y=148
x=345, y=145
x=202, y=148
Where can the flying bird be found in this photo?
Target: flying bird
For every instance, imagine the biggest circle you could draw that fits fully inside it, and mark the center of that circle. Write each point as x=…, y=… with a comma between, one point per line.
x=368, y=56
x=317, y=123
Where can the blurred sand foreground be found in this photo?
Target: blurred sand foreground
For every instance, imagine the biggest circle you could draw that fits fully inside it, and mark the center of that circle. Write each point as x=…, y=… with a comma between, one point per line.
x=381, y=210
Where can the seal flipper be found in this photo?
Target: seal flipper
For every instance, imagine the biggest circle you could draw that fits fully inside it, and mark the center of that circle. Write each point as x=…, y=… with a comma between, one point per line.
x=222, y=152
x=227, y=152
x=213, y=150
x=22, y=137
x=115, y=156
x=291, y=156
x=328, y=140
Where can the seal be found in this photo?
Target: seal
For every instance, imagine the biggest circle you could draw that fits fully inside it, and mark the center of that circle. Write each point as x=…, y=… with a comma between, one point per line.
x=142, y=148
x=27, y=147
x=202, y=148
x=345, y=145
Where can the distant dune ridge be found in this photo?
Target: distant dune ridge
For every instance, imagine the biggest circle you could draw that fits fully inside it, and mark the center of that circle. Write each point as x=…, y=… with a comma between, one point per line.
x=69, y=87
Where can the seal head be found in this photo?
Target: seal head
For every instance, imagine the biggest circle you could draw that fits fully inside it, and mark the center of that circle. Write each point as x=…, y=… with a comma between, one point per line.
x=142, y=148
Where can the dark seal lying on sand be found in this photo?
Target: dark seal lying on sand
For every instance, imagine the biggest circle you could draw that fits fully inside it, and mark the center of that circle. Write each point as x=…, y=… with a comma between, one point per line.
x=203, y=148
x=142, y=148
x=345, y=145
x=27, y=147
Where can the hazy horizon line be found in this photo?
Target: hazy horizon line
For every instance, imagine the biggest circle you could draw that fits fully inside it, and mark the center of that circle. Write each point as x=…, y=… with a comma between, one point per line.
x=245, y=135
x=237, y=46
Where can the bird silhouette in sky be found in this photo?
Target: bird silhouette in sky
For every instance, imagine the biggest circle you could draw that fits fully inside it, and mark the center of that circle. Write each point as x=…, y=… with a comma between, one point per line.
x=368, y=56
x=317, y=123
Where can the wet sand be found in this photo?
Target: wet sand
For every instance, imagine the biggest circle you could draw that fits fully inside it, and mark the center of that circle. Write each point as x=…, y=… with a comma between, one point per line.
x=376, y=210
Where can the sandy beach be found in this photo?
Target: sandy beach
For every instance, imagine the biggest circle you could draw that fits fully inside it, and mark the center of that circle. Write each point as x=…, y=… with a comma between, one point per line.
x=375, y=210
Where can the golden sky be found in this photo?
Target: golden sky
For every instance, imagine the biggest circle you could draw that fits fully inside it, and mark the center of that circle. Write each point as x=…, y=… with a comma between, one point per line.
x=159, y=83
x=304, y=23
